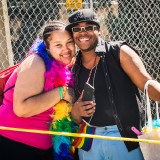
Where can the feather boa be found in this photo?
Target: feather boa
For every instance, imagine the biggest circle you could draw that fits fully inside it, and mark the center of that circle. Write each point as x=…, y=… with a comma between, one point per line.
x=58, y=75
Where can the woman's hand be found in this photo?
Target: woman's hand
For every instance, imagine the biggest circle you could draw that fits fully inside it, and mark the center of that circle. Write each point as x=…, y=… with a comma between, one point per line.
x=69, y=95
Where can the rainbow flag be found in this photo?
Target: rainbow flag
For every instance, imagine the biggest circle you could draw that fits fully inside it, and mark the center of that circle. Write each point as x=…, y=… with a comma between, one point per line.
x=82, y=142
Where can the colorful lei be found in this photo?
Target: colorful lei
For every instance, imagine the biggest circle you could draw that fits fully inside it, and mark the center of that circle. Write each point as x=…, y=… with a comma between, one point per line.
x=58, y=75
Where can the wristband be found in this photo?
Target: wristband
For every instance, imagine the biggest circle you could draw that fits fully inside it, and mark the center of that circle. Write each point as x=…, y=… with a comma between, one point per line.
x=60, y=90
x=64, y=92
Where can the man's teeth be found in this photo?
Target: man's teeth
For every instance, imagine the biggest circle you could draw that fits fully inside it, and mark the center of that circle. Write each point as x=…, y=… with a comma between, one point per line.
x=84, y=39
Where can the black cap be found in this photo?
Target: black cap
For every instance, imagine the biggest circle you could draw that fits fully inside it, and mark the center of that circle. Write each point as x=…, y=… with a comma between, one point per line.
x=84, y=15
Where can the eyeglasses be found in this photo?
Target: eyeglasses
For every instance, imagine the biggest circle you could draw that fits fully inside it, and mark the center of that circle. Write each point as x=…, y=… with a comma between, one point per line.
x=87, y=28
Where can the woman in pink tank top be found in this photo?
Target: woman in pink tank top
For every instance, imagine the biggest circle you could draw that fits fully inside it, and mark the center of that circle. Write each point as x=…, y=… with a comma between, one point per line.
x=38, y=87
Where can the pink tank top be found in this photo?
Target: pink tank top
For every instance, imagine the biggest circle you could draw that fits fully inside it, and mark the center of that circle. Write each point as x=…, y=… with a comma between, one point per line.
x=9, y=119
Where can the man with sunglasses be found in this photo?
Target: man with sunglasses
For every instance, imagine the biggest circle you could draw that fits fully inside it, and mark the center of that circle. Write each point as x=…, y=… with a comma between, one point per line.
x=116, y=72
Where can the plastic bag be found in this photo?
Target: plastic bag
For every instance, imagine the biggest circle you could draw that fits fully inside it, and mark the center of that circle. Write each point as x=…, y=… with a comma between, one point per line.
x=150, y=131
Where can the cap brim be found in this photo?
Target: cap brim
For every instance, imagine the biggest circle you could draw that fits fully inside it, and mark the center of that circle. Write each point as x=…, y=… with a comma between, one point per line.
x=71, y=25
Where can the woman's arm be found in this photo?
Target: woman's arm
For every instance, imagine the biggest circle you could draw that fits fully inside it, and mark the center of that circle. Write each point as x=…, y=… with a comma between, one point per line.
x=29, y=98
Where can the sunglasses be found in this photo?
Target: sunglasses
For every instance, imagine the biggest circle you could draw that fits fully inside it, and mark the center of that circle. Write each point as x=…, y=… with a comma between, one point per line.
x=87, y=28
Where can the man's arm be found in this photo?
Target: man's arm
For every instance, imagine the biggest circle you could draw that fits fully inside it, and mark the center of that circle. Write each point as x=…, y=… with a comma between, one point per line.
x=134, y=68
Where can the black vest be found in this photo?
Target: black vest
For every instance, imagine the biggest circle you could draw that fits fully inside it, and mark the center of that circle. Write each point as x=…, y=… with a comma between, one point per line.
x=122, y=92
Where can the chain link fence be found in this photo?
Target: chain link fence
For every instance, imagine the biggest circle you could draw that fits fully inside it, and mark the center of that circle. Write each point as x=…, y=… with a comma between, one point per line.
x=135, y=21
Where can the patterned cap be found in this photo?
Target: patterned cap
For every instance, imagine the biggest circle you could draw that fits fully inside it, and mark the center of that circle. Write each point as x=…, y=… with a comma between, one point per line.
x=84, y=15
